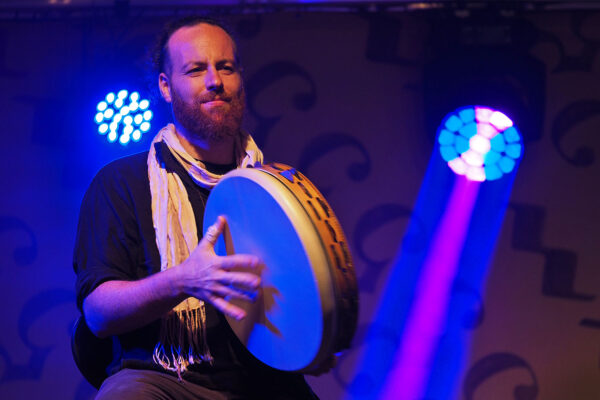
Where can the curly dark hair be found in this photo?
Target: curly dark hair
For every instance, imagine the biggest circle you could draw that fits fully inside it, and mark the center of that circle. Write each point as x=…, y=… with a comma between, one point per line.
x=160, y=50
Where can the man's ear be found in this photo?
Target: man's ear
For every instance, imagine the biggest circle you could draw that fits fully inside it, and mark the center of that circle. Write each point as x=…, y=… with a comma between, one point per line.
x=164, y=86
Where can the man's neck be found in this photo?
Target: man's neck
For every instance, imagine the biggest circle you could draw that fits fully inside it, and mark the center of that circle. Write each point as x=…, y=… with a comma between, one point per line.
x=216, y=152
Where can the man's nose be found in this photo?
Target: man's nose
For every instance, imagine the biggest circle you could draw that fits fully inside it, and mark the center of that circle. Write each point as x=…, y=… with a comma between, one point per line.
x=213, y=80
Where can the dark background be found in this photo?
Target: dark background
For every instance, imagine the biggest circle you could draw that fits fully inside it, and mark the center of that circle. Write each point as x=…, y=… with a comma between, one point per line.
x=353, y=99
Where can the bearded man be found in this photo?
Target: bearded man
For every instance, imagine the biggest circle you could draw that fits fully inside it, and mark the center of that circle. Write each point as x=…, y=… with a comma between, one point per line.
x=143, y=277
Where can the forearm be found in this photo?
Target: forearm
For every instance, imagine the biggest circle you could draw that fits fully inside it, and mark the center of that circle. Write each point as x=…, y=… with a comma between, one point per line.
x=117, y=307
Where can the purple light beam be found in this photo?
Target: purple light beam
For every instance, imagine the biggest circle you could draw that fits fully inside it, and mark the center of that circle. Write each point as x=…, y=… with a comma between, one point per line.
x=408, y=377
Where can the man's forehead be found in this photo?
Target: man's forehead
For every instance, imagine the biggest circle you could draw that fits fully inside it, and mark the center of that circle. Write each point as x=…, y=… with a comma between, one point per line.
x=201, y=40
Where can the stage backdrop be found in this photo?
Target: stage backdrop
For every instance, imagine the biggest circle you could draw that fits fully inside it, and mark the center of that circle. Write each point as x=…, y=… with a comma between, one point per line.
x=353, y=101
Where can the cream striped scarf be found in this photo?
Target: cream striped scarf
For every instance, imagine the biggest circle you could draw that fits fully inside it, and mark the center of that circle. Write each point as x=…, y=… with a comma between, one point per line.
x=176, y=237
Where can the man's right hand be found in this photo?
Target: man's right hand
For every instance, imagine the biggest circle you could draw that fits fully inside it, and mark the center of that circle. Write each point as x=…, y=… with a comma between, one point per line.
x=216, y=279
x=116, y=307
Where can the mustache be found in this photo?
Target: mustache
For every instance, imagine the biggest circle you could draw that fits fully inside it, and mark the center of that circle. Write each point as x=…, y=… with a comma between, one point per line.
x=205, y=98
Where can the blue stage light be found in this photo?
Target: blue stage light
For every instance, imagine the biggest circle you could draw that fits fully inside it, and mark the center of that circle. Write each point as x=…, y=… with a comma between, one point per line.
x=492, y=172
x=448, y=153
x=492, y=157
x=108, y=113
x=453, y=123
x=102, y=106
x=513, y=150
x=506, y=164
x=144, y=104
x=136, y=135
x=446, y=138
x=461, y=144
x=116, y=114
x=468, y=130
x=498, y=143
x=511, y=135
x=467, y=115
x=124, y=139
x=480, y=143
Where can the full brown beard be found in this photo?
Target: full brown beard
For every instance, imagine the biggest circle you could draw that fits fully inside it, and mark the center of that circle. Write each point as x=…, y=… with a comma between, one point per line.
x=207, y=127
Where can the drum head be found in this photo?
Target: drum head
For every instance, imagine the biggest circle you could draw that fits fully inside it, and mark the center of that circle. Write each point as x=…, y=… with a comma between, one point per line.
x=286, y=325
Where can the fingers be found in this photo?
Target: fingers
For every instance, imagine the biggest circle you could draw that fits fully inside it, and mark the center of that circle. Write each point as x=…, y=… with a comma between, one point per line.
x=214, y=231
x=239, y=261
x=227, y=308
x=233, y=285
x=240, y=280
x=234, y=293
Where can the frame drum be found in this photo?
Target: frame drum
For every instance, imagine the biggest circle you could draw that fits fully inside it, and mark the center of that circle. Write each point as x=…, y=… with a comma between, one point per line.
x=307, y=306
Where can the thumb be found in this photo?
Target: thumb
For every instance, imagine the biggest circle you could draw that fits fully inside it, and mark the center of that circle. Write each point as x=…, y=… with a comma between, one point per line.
x=213, y=232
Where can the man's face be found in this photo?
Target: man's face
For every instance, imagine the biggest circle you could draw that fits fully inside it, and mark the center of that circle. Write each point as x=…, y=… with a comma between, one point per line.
x=204, y=85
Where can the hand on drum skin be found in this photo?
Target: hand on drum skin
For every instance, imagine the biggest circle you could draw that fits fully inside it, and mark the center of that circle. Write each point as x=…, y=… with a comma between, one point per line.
x=324, y=367
x=211, y=278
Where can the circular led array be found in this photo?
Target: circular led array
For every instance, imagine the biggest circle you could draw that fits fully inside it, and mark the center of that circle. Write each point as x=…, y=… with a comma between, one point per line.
x=480, y=143
x=123, y=116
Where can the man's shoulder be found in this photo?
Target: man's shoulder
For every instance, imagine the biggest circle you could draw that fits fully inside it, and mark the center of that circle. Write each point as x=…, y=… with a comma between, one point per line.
x=126, y=165
x=124, y=176
x=130, y=168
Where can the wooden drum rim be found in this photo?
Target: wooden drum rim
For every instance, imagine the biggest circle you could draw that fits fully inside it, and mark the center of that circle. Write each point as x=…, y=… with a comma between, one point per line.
x=338, y=253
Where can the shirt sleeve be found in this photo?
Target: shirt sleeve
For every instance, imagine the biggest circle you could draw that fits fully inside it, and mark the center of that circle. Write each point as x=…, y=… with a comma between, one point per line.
x=107, y=237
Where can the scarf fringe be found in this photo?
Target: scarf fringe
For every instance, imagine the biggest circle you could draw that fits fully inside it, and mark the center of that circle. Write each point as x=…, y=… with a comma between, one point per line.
x=187, y=328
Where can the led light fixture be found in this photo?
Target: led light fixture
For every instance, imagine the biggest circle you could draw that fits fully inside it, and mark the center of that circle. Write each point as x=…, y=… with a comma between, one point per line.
x=123, y=116
x=480, y=143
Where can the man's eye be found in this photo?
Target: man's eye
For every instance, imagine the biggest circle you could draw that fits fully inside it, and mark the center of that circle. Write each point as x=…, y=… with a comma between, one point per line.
x=228, y=68
x=195, y=70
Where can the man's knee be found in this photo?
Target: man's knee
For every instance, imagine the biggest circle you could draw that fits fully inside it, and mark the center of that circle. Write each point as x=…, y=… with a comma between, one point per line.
x=131, y=384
